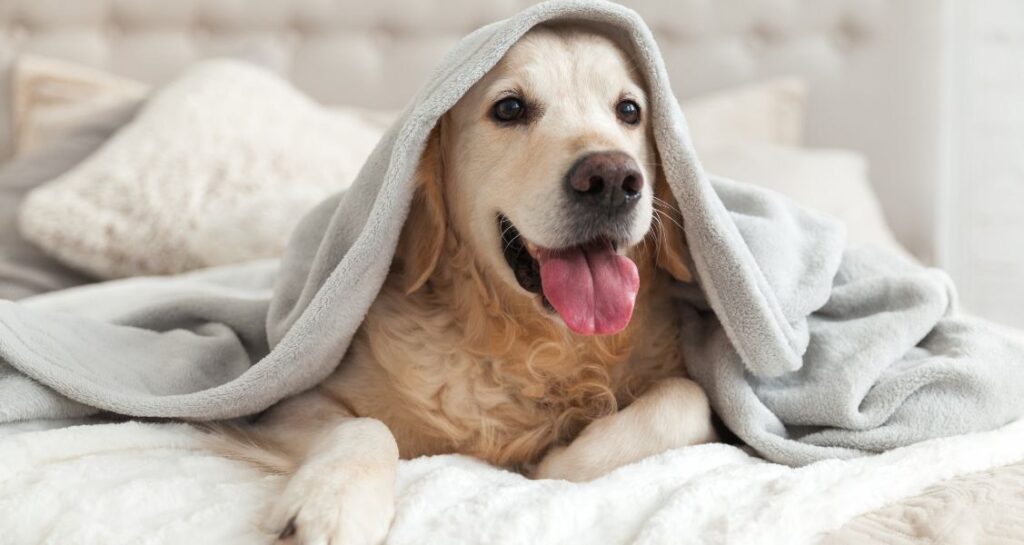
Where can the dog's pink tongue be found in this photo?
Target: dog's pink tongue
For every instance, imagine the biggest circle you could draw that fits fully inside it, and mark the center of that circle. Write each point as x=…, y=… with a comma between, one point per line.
x=592, y=288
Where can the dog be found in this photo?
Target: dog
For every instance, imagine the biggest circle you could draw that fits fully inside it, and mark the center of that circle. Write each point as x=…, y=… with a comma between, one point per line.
x=527, y=317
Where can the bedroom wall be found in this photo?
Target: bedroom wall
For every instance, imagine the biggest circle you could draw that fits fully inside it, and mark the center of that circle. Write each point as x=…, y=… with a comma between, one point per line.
x=983, y=212
x=873, y=67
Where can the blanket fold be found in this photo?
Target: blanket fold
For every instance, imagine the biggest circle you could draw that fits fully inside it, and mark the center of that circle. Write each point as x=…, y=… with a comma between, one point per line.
x=808, y=350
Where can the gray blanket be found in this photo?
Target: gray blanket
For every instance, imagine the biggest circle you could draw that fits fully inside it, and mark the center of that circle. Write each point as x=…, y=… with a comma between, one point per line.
x=808, y=350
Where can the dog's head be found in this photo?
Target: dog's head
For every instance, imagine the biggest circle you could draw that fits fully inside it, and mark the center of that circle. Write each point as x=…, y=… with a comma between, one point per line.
x=548, y=170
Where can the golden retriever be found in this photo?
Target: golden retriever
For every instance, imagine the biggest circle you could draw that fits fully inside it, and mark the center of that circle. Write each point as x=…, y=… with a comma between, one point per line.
x=526, y=319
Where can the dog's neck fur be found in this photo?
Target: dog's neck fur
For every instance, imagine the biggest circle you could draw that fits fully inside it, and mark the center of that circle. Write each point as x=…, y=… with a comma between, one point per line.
x=504, y=381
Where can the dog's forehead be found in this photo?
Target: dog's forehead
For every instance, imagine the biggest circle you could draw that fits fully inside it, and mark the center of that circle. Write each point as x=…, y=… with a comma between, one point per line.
x=547, y=60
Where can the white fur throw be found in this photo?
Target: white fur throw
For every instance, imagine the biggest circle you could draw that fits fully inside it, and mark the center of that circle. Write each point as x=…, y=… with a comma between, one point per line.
x=217, y=168
x=154, y=484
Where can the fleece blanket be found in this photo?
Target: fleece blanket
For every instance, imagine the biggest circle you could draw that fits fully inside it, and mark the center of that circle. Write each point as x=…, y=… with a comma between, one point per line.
x=807, y=349
x=75, y=485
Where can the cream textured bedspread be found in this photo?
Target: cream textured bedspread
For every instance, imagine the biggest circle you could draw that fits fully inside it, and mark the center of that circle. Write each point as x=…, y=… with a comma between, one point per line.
x=131, y=483
x=979, y=508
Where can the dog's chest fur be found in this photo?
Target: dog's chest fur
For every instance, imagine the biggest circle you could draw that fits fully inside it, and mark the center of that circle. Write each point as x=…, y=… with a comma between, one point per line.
x=458, y=371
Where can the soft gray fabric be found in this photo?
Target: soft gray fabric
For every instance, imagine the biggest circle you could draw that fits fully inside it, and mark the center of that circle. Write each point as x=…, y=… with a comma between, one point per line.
x=889, y=360
x=24, y=269
x=807, y=351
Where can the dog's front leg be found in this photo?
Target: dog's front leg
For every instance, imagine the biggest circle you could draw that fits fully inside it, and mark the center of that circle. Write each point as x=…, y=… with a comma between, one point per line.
x=344, y=490
x=673, y=413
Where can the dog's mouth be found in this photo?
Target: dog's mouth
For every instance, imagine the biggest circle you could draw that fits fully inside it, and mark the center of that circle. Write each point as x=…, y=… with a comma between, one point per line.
x=591, y=286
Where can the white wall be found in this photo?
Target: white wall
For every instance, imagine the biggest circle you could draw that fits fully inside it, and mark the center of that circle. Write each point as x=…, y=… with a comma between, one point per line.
x=983, y=204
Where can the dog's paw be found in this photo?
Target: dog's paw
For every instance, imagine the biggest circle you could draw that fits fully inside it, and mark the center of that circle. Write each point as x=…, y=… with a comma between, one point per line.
x=568, y=464
x=350, y=506
x=673, y=414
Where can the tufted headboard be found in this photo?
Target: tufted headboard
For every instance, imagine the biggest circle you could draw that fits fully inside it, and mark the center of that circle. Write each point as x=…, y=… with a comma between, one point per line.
x=874, y=67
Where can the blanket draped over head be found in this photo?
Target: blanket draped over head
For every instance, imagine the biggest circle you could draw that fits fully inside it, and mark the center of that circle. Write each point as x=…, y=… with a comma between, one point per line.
x=808, y=349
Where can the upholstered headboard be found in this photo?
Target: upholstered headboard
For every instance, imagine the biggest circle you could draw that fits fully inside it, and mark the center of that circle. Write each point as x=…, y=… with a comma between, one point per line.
x=874, y=66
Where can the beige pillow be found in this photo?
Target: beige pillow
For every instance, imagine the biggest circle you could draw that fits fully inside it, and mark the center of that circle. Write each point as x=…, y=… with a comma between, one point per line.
x=50, y=98
x=165, y=195
x=831, y=181
x=770, y=112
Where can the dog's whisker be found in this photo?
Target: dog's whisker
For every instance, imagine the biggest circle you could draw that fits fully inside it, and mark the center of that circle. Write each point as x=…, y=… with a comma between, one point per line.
x=657, y=242
x=506, y=230
x=660, y=226
x=665, y=208
x=659, y=217
x=664, y=205
x=662, y=214
x=511, y=242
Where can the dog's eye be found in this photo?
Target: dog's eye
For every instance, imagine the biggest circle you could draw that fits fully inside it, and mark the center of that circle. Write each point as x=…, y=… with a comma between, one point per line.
x=628, y=112
x=509, y=109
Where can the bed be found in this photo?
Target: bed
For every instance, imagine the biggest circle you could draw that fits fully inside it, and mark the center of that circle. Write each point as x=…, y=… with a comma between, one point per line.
x=65, y=485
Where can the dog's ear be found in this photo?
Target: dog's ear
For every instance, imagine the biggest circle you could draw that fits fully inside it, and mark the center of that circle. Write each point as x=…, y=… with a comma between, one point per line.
x=672, y=253
x=423, y=235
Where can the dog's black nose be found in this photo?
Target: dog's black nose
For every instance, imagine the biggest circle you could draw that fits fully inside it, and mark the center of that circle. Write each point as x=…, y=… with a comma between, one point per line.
x=609, y=180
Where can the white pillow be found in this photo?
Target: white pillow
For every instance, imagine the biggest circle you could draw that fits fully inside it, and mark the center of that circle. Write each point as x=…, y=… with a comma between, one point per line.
x=197, y=180
x=831, y=181
x=217, y=168
x=50, y=98
x=770, y=112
